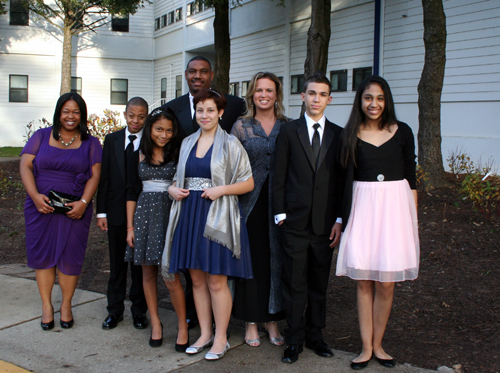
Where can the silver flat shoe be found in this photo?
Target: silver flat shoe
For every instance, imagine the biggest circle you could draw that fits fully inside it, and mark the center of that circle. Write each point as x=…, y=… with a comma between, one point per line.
x=214, y=356
x=191, y=350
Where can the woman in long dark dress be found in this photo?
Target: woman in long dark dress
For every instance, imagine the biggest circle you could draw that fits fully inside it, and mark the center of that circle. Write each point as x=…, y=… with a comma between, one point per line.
x=380, y=243
x=148, y=208
x=206, y=233
x=63, y=158
x=260, y=299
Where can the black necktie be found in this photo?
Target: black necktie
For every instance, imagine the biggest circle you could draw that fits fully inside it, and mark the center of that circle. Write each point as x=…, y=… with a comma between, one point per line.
x=316, y=143
x=130, y=147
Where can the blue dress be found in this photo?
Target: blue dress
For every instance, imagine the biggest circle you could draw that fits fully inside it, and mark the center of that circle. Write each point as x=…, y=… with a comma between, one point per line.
x=189, y=248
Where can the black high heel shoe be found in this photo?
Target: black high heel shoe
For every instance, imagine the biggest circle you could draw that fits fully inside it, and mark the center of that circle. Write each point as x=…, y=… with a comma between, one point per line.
x=67, y=324
x=47, y=325
x=179, y=347
x=156, y=342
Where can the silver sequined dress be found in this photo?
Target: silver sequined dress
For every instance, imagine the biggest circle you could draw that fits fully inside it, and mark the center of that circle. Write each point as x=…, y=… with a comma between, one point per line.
x=151, y=215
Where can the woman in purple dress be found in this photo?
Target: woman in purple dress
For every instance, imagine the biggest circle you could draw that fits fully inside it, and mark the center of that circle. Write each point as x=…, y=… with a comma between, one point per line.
x=63, y=158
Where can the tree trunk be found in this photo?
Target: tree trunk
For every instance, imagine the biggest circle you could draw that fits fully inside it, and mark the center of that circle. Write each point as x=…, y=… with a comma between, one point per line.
x=66, y=59
x=429, y=93
x=318, y=39
x=222, y=45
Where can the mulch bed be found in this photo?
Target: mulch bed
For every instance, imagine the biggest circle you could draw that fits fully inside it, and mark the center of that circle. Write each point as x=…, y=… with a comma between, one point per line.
x=449, y=315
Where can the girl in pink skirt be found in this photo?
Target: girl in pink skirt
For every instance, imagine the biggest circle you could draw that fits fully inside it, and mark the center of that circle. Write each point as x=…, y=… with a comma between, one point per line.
x=380, y=244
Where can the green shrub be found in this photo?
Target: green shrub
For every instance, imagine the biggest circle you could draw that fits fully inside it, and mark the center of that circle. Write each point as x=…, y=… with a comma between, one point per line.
x=483, y=190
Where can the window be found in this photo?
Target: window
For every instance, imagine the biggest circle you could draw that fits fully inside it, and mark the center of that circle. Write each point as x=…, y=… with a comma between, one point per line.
x=157, y=23
x=178, y=86
x=358, y=75
x=297, y=83
x=119, y=91
x=76, y=85
x=119, y=22
x=178, y=14
x=198, y=6
x=338, y=78
x=163, y=90
x=190, y=9
x=19, y=14
x=234, y=89
x=170, y=18
x=18, y=88
x=244, y=88
x=163, y=20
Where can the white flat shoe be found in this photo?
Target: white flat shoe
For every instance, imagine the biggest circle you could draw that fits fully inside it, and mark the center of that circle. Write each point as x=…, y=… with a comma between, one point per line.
x=191, y=350
x=214, y=356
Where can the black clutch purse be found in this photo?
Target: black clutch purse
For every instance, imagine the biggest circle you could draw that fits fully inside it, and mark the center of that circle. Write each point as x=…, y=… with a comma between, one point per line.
x=58, y=199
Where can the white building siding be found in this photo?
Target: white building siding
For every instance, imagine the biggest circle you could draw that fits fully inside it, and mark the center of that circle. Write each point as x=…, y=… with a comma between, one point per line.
x=169, y=68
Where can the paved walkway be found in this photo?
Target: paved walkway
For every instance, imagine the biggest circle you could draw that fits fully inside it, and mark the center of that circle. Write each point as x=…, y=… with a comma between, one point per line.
x=87, y=348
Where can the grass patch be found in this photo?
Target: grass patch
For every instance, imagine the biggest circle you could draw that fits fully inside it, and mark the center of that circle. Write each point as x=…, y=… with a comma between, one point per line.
x=10, y=151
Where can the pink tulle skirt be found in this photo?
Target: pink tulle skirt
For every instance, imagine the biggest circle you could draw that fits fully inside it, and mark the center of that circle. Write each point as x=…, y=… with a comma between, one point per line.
x=380, y=241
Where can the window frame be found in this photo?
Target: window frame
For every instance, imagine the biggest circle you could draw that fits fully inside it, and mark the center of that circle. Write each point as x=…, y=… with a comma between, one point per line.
x=11, y=89
x=363, y=71
x=190, y=9
x=178, y=86
x=338, y=72
x=171, y=17
x=301, y=80
x=163, y=21
x=76, y=79
x=163, y=92
x=234, y=89
x=111, y=92
x=21, y=12
x=157, y=23
x=244, y=88
x=178, y=14
x=116, y=19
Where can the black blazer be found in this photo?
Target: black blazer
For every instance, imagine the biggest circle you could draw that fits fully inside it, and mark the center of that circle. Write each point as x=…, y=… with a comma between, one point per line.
x=235, y=108
x=112, y=186
x=305, y=194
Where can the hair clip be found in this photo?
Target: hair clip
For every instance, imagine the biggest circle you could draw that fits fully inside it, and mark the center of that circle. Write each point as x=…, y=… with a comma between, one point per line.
x=213, y=91
x=156, y=112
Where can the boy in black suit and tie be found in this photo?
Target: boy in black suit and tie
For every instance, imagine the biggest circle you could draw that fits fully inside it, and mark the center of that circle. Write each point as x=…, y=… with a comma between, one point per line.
x=307, y=192
x=111, y=216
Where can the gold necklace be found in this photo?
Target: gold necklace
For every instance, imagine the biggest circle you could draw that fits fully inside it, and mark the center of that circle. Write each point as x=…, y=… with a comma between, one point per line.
x=66, y=144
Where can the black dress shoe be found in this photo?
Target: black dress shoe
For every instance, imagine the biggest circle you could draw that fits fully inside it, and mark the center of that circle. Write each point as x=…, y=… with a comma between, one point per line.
x=111, y=321
x=291, y=354
x=360, y=365
x=47, y=325
x=156, y=342
x=181, y=348
x=67, y=324
x=140, y=321
x=387, y=363
x=320, y=348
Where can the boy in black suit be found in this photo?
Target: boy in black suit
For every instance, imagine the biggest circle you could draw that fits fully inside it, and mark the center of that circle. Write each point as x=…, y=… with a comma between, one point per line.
x=111, y=216
x=307, y=192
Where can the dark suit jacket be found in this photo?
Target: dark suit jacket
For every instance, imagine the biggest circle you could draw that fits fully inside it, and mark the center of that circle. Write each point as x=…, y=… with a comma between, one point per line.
x=112, y=186
x=235, y=108
x=305, y=194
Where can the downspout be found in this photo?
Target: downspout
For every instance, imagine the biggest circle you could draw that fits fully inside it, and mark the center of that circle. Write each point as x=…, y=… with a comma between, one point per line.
x=376, y=38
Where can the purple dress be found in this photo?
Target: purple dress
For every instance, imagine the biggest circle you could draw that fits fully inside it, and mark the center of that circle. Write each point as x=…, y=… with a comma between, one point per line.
x=54, y=239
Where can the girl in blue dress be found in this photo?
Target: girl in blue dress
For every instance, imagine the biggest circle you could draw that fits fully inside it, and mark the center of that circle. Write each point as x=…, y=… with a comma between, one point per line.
x=206, y=233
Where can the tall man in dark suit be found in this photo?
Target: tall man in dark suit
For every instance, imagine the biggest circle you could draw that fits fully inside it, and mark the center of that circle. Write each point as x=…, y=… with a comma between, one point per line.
x=307, y=190
x=199, y=75
x=111, y=216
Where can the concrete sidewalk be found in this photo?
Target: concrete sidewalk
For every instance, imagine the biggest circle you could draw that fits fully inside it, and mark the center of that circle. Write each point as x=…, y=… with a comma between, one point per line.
x=88, y=348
